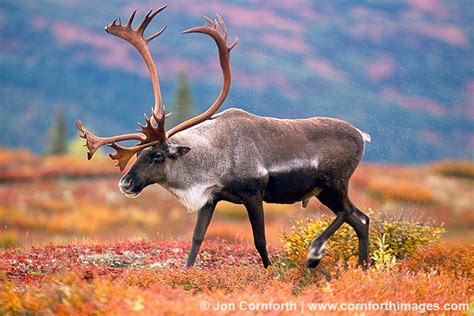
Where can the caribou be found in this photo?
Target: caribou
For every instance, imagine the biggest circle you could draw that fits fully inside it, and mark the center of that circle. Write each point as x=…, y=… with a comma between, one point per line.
x=236, y=156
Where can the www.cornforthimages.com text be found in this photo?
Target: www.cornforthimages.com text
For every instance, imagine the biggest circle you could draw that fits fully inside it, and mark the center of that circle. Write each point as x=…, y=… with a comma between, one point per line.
x=302, y=307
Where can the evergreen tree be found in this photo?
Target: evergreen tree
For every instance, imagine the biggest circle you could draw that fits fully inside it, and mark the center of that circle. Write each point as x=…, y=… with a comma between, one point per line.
x=57, y=135
x=183, y=107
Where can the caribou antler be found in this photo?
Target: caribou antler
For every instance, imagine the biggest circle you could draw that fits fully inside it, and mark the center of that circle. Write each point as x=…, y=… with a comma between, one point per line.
x=154, y=129
x=137, y=39
x=153, y=132
x=224, y=57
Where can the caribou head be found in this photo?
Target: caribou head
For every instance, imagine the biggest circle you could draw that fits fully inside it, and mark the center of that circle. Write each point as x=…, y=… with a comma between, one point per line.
x=153, y=151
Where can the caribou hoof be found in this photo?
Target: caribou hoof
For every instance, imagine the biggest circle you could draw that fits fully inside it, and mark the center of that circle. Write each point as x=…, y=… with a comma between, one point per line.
x=315, y=254
x=313, y=263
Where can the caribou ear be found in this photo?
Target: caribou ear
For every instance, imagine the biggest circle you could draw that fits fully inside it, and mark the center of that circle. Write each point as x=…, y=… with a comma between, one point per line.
x=176, y=151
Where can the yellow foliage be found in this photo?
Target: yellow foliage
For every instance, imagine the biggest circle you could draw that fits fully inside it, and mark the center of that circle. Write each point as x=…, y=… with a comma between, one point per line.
x=383, y=257
x=402, y=237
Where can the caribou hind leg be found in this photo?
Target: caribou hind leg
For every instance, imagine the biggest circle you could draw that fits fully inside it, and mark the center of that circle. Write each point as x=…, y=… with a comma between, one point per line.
x=360, y=222
x=338, y=201
x=256, y=216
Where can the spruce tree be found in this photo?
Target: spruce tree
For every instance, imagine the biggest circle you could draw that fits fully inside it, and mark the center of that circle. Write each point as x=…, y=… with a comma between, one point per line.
x=183, y=107
x=57, y=135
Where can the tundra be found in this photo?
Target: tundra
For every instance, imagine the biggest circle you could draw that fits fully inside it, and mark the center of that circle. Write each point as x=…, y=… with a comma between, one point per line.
x=238, y=157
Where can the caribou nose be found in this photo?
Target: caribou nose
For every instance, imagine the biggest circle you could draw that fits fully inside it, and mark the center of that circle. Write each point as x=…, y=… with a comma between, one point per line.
x=125, y=184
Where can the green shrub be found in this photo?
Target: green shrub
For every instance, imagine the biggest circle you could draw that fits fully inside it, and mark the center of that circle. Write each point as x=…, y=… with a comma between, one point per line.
x=8, y=240
x=402, y=238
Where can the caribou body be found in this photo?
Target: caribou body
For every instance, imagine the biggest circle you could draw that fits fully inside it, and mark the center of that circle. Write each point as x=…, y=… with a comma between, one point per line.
x=242, y=158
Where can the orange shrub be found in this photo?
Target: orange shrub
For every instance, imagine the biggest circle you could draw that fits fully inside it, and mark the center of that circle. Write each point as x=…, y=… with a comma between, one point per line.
x=68, y=293
x=224, y=278
x=10, y=157
x=458, y=260
x=354, y=286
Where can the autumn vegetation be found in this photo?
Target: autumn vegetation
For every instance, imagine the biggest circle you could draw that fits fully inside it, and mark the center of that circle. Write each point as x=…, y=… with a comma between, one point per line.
x=72, y=244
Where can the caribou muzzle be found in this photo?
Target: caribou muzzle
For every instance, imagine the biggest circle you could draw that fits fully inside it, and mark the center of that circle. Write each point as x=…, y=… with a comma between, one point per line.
x=130, y=186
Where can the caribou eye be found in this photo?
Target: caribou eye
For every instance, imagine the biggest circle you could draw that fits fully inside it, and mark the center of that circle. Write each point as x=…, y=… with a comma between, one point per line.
x=156, y=158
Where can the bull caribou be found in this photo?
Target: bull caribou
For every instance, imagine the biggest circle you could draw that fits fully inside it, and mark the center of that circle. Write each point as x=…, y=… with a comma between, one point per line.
x=236, y=156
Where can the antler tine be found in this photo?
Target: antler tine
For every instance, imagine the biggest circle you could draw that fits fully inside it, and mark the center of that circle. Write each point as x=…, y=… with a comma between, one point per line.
x=114, y=22
x=124, y=154
x=223, y=26
x=148, y=17
x=210, y=21
x=152, y=37
x=214, y=31
x=224, y=59
x=144, y=23
x=231, y=46
x=130, y=20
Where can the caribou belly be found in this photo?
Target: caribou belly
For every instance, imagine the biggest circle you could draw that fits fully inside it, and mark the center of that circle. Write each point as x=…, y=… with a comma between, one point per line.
x=296, y=180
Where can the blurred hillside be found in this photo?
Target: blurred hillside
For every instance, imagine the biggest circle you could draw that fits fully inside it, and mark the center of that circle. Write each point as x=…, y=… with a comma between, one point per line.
x=401, y=71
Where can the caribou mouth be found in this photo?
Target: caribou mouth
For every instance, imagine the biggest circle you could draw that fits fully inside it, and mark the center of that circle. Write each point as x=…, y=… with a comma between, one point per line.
x=132, y=195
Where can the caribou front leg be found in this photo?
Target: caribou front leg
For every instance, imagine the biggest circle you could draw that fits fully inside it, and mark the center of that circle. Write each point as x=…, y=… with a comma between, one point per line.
x=203, y=220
